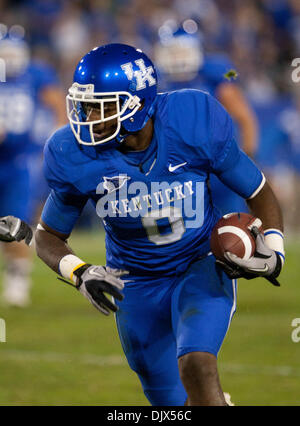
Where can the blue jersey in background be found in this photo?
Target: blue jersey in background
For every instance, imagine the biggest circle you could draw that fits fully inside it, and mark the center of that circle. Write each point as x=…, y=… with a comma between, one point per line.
x=22, y=139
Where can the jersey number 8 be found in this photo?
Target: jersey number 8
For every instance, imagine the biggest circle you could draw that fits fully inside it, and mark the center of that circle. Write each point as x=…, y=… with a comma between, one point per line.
x=173, y=214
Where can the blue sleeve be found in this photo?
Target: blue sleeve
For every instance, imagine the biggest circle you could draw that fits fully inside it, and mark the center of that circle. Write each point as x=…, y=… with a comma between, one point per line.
x=56, y=168
x=243, y=177
x=233, y=167
x=52, y=169
x=62, y=210
x=200, y=123
x=65, y=203
x=223, y=148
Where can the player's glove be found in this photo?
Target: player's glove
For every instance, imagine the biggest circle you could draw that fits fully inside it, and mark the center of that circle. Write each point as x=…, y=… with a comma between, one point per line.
x=93, y=281
x=264, y=263
x=14, y=229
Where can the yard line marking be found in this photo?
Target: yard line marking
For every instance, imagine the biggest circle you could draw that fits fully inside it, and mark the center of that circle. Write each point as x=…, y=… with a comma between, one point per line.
x=88, y=359
x=119, y=360
x=264, y=370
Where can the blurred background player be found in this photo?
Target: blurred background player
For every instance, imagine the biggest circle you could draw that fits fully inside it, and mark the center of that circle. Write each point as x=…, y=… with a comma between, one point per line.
x=30, y=88
x=183, y=63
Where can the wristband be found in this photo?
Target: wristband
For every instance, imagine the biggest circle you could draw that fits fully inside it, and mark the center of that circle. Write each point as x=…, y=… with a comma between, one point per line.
x=68, y=265
x=274, y=240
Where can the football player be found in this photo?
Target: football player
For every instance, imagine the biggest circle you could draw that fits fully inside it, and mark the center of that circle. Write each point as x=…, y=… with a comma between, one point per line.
x=144, y=160
x=183, y=63
x=28, y=85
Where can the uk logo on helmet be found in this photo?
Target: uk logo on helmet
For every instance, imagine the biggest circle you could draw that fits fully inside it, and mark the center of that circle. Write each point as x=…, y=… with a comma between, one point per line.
x=143, y=75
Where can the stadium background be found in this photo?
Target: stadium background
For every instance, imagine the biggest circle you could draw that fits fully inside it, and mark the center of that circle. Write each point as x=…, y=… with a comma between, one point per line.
x=60, y=351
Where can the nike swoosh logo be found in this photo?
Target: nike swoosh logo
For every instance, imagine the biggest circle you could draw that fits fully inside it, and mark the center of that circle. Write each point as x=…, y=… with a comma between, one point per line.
x=96, y=272
x=173, y=168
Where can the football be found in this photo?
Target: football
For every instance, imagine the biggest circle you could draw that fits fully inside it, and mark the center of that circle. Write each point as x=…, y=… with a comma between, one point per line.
x=232, y=234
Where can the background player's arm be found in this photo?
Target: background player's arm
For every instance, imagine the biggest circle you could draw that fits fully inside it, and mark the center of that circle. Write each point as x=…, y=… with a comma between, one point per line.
x=233, y=99
x=54, y=98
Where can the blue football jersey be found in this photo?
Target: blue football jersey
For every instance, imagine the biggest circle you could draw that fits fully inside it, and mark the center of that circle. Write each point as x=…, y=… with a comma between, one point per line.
x=209, y=77
x=19, y=102
x=156, y=207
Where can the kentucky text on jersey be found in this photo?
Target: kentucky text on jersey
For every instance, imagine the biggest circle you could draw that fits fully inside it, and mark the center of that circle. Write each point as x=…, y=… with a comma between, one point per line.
x=121, y=203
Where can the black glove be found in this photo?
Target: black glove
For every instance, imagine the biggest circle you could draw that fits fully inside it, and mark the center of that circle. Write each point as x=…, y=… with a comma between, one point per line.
x=264, y=263
x=93, y=281
x=14, y=229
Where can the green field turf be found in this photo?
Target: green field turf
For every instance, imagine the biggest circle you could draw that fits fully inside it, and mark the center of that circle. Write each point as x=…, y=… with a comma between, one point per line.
x=61, y=351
